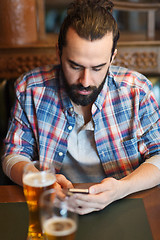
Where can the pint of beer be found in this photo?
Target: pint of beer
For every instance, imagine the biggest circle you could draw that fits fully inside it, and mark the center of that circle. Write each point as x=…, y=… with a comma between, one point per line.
x=58, y=221
x=60, y=228
x=37, y=178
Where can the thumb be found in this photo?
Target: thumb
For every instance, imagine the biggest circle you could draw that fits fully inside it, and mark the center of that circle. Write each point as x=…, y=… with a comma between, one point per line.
x=104, y=185
x=95, y=189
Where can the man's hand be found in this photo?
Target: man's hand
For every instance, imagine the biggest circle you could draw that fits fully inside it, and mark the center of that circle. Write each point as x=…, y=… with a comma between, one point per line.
x=109, y=190
x=100, y=195
x=62, y=182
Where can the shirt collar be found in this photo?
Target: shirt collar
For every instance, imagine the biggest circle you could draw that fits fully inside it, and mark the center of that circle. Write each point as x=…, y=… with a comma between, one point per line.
x=109, y=85
x=65, y=100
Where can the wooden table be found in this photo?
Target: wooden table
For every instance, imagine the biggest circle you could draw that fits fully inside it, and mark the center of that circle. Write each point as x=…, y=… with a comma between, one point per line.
x=151, y=200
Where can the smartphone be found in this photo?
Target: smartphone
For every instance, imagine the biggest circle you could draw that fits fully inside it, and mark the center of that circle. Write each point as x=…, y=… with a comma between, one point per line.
x=78, y=190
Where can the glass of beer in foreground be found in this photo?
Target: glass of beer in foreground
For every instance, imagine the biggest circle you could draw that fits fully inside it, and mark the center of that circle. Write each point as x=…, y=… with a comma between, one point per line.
x=58, y=220
x=37, y=177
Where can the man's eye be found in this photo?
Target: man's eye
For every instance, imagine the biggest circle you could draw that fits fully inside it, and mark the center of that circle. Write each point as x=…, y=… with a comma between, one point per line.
x=97, y=69
x=75, y=67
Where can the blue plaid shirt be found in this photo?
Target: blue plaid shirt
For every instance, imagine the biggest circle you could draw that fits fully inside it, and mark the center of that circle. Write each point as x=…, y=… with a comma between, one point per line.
x=125, y=115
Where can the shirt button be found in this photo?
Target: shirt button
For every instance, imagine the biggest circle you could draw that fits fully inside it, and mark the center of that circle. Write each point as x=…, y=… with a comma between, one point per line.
x=70, y=128
x=60, y=154
x=103, y=154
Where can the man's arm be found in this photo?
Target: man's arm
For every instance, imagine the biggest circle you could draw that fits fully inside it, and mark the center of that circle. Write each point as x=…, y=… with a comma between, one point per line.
x=13, y=166
x=109, y=190
x=17, y=172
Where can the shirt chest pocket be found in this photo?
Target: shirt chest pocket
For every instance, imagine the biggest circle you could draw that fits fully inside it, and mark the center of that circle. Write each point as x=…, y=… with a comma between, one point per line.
x=131, y=148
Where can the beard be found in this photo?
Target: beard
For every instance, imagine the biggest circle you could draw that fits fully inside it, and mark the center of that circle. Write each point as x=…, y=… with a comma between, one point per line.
x=80, y=99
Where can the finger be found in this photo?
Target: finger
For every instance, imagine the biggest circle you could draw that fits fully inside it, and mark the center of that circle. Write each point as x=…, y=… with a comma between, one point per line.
x=101, y=187
x=97, y=188
x=88, y=197
x=57, y=186
x=96, y=202
x=81, y=211
x=63, y=181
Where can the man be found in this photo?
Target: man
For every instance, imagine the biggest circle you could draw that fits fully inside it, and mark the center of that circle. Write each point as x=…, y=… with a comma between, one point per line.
x=95, y=122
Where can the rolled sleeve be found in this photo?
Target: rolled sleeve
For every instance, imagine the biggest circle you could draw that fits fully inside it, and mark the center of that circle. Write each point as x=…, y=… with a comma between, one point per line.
x=21, y=138
x=155, y=160
x=10, y=160
x=149, y=122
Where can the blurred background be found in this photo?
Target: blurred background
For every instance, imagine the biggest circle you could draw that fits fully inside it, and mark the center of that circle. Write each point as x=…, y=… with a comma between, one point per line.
x=132, y=21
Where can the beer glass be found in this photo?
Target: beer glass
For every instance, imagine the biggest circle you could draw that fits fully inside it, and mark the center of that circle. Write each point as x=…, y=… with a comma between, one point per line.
x=37, y=177
x=58, y=221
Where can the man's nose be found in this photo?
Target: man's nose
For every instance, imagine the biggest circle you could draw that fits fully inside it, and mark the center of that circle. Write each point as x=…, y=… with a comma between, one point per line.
x=85, y=77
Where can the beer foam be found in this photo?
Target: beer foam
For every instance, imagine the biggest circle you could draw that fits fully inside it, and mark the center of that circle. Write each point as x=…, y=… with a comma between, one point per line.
x=39, y=179
x=58, y=226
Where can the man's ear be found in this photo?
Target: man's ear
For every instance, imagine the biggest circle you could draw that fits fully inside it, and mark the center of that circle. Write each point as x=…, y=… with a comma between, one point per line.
x=113, y=56
x=57, y=53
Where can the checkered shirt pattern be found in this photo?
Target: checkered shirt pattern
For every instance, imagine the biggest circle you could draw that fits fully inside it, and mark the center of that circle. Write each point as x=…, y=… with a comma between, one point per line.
x=125, y=114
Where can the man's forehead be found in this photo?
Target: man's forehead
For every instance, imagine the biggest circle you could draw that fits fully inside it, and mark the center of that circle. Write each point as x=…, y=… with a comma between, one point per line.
x=71, y=34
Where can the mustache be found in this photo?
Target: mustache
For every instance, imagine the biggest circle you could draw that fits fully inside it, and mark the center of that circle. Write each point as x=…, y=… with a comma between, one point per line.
x=82, y=88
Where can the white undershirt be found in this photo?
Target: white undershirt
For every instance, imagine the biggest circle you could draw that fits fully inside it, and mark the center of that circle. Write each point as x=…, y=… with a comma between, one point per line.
x=81, y=163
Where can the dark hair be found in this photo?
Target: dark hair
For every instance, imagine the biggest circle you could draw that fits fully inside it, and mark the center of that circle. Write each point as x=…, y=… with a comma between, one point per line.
x=91, y=19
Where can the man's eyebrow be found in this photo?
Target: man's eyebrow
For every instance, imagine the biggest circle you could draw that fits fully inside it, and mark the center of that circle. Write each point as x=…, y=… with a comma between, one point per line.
x=79, y=65
x=100, y=65
x=74, y=63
